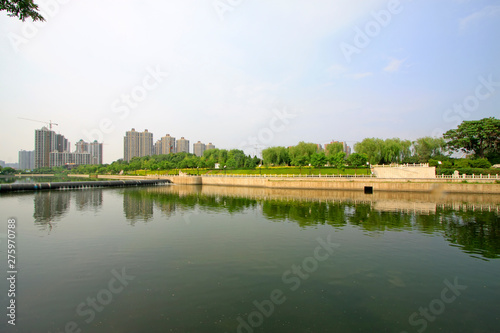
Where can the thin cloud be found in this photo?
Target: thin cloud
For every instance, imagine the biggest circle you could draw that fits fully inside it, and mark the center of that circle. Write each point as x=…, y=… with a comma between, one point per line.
x=357, y=76
x=486, y=12
x=394, y=65
x=336, y=69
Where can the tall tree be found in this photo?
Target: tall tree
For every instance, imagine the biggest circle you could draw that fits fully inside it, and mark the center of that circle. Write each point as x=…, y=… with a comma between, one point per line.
x=333, y=148
x=302, y=153
x=22, y=9
x=428, y=147
x=276, y=156
x=480, y=137
x=372, y=148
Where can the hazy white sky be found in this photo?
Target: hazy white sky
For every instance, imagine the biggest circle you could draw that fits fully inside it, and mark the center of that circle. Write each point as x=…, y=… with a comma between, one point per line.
x=248, y=74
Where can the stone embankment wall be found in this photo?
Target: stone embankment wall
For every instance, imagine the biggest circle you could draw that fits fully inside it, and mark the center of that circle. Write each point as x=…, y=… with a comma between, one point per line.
x=435, y=186
x=353, y=184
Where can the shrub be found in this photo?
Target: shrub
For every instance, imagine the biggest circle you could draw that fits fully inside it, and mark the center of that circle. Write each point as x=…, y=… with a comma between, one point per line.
x=480, y=163
x=462, y=163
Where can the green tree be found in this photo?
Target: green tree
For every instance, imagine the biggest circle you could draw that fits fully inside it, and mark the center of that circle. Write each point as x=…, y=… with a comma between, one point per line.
x=21, y=9
x=338, y=160
x=8, y=171
x=372, y=148
x=427, y=148
x=276, y=156
x=480, y=137
x=300, y=154
x=318, y=159
x=334, y=148
x=357, y=160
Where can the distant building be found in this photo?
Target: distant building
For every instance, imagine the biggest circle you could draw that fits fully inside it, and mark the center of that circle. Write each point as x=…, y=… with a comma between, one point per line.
x=137, y=144
x=166, y=145
x=12, y=165
x=2, y=164
x=62, y=144
x=182, y=145
x=198, y=148
x=46, y=141
x=157, y=147
x=209, y=146
x=67, y=158
x=26, y=160
x=93, y=148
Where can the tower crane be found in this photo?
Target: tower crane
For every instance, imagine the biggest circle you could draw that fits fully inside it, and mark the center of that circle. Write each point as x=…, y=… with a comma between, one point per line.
x=39, y=121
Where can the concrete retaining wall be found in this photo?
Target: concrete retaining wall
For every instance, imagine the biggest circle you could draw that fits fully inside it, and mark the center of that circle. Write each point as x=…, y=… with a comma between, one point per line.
x=405, y=172
x=353, y=185
x=434, y=186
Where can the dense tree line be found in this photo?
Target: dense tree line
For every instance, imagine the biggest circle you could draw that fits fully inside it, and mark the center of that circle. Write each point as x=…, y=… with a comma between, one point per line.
x=479, y=139
x=232, y=159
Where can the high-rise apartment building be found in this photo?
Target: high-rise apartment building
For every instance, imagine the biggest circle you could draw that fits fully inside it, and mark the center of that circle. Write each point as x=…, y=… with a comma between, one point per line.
x=209, y=146
x=198, y=148
x=166, y=145
x=67, y=158
x=137, y=144
x=45, y=142
x=26, y=160
x=182, y=145
x=157, y=147
x=62, y=144
x=93, y=148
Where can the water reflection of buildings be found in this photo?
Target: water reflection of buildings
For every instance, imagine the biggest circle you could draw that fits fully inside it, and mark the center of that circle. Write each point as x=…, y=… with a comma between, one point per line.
x=136, y=206
x=88, y=199
x=52, y=206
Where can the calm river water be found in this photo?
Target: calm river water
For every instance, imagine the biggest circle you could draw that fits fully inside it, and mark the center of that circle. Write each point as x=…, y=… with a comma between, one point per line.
x=219, y=259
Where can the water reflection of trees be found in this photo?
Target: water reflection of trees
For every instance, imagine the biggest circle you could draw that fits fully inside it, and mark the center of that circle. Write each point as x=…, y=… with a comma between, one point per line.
x=474, y=231
x=170, y=202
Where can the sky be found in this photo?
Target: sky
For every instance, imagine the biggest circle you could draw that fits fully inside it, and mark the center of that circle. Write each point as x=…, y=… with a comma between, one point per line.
x=247, y=74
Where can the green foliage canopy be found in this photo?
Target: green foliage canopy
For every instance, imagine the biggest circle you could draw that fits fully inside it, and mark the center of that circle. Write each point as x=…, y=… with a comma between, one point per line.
x=480, y=137
x=21, y=9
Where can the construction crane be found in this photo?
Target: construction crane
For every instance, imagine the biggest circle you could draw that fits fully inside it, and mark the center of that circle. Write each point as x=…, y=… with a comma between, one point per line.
x=39, y=121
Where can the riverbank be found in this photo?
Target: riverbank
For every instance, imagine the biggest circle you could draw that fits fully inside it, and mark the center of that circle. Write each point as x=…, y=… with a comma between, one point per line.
x=484, y=185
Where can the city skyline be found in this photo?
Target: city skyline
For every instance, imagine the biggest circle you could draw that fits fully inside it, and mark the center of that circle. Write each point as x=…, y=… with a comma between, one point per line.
x=306, y=72
x=53, y=150
x=140, y=144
